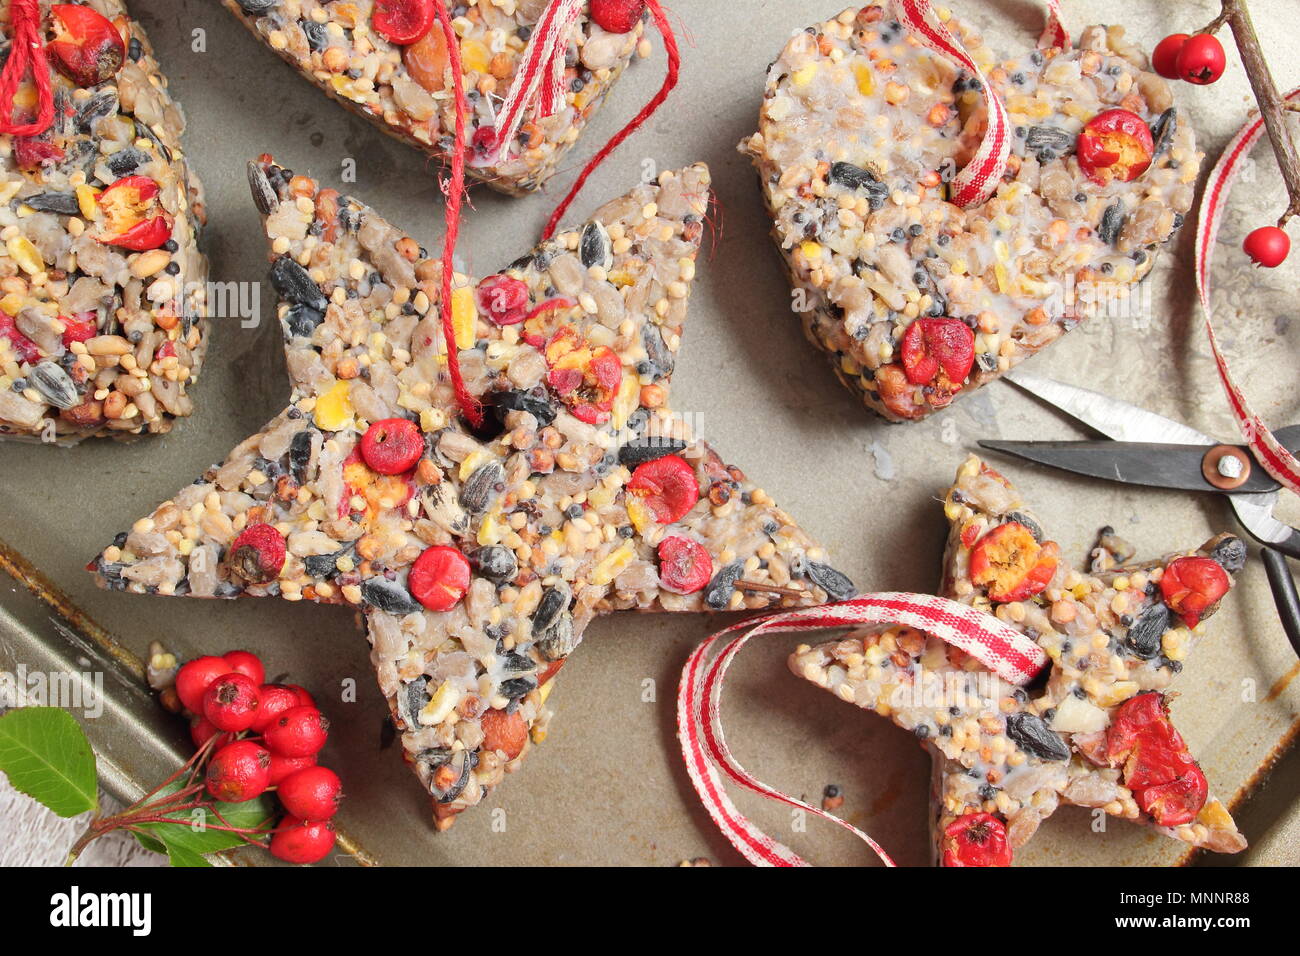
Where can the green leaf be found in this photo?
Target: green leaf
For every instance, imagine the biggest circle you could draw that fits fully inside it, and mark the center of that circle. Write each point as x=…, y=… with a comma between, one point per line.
x=180, y=856
x=46, y=755
x=195, y=835
x=149, y=843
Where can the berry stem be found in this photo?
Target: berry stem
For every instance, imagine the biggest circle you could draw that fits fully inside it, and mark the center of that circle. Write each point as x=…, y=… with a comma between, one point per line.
x=1271, y=105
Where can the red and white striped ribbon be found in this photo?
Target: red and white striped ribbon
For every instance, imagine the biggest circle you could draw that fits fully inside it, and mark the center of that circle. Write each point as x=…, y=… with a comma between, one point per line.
x=1004, y=650
x=539, y=81
x=1276, y=459
x=979, y=178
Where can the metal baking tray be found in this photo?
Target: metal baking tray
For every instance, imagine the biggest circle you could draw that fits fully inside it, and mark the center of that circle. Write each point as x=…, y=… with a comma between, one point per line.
x=608, y=786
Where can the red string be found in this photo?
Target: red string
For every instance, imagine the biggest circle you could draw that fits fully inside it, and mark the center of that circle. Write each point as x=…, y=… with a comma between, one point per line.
x=455, y=194
x=26, y=51
x=670, y=81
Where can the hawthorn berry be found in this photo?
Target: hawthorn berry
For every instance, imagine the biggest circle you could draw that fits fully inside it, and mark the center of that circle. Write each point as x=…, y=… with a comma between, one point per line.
x=194, y=677
x=202, y=730
x=283, y=767
x=275, y=700
x=1267, y=246
x=304, y=697
x=666, y=486
x=297, y=841
x=231, y=702
x=685, y=566
x=298, y=732
x=311, y=794
x=239, y=771
x=439, y=577
x=1164, y=58
x=1201, y=59
x=246, y=663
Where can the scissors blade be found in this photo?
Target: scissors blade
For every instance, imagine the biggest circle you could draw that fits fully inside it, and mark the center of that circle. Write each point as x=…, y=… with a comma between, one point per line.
x=1136, y=463
x=1255, y=512
x=1115, y=419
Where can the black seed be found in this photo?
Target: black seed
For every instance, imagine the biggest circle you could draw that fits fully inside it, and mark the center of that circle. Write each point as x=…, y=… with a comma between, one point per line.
x=855, y=177
x=478, y=490
x=1230, y=553
x=718, y=594
x=1048, y=142
x=63, y=204
x=654, y=448
x=553, y=601
x=389, y=596
x=594, y=248
x=661, y=358
x=321, y=565
x=517, y=662
x=258, y=7
x=1034, y=528
x=1144, y=636
x=833, y=582
x=301, y=321
x=496, y=563
x=535, y=405
x=517, y=687
x=415, y=697
x=294, y=284
x=1112, y=221
x=1033, y=736
x=1163, y=129
x=317, y=38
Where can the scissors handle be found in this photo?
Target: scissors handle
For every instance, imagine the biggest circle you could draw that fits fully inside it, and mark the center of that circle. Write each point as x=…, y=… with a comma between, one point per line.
x=1284, y=595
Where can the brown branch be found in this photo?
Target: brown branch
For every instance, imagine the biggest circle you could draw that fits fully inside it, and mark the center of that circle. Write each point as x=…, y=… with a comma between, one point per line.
x=1271, y=105
x=768, y=589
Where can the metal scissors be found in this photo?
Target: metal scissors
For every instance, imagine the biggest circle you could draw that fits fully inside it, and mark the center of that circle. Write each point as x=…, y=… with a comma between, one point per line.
x=1144, y=448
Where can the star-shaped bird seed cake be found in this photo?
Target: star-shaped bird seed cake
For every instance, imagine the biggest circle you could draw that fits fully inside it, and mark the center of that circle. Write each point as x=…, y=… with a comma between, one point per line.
x=478, y=556
x=1096, y=733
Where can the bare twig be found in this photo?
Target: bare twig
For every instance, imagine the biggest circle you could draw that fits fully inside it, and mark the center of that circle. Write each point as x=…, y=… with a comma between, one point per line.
x=1271, y=105
x=768, y=589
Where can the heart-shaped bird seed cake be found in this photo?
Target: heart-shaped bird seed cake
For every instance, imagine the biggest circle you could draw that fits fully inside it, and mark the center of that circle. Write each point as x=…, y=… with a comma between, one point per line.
x=913, y=298
x=395, y=71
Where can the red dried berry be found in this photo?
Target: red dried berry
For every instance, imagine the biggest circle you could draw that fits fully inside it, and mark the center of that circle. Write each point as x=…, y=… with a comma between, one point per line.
x=275, y=700
x=79, y=327
x=1011, y=564
x=1201, y=59
x=296, y=841
x=283, y=767
x=231, y=702
x=976, y=839
x=202, y=730
x=312, y=793
x=1154, y=761
x=667, y=486
x=298, y=732
x=1164, y=58
x=257, y=555
x=439, y=578
x=1267, y=246
x=685, y=566
x=392, y=446
x=504, y=299
x=403, y=21
x=195, y=677
x=246, y=663
x=931, y=346
x=1115, y=145
x=617, y=16
x=1193, y=586
x=24, y=348
x=239, y=771
x=86, y=48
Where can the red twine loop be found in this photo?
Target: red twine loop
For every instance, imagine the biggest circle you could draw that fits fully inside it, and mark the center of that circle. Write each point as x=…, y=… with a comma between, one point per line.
x=1001, y=648
x=539, y=83
x=26, y=52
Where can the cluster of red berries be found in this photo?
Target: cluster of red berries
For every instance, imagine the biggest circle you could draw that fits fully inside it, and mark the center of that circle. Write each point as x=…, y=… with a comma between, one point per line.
x=268, y=737
x=1200, y=59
